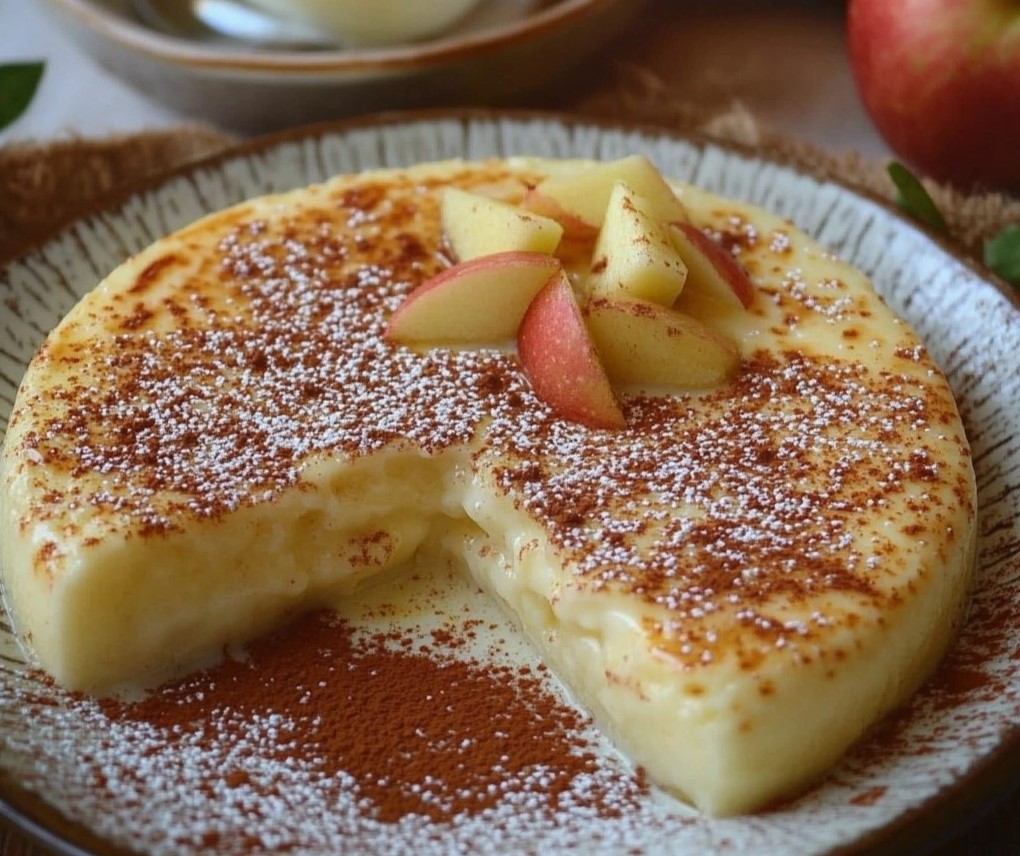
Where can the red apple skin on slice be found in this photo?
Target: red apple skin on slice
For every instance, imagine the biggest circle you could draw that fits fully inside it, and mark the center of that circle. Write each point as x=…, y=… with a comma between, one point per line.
x=561, y=362
x=482, y=300
x=650, y=345
x=710, y=267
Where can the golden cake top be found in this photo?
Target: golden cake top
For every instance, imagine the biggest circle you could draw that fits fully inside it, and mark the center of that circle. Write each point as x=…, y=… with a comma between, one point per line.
x=246, y=347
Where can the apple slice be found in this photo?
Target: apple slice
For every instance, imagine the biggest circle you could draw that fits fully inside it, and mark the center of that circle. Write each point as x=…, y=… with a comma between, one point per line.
x=481, y=300
x=561, y=362
x=478, y=225
x=579, y=200
x=641, y=342
x=713, y=273
x=574, y=228
x=634, y=255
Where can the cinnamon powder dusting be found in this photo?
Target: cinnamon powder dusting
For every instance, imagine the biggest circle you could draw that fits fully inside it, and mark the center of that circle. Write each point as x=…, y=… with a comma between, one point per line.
x=335, y=735
x=712, y=512
x=410, y=731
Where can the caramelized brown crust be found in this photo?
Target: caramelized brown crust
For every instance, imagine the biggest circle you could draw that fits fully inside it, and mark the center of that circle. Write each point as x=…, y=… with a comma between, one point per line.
x=254, y=346
x=220, y=435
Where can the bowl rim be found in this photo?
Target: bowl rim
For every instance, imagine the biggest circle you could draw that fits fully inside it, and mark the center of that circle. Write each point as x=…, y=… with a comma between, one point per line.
x=108, y=24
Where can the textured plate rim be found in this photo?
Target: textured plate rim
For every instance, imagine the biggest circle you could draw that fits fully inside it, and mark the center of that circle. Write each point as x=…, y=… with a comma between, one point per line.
x=989, y=780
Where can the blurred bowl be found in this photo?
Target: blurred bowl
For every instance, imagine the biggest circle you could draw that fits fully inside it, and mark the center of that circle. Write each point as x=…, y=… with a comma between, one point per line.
x=499, y=51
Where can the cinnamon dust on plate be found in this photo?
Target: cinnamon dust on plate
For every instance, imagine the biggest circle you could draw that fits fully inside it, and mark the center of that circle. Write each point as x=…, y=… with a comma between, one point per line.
x=408, y=727
x=337, y=734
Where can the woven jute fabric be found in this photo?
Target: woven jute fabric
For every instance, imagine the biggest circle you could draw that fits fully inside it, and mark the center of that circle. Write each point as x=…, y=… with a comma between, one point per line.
x=13, y=844
x=44, y=185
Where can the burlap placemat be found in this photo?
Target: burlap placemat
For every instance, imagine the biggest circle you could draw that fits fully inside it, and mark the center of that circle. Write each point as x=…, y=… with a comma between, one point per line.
x=13, y=844
x=44, y=185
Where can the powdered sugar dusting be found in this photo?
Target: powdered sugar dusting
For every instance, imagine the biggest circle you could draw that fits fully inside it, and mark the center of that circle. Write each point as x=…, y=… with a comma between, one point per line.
x=274, y=355
x=719, y=507
x=709, y=508
x=277, y=752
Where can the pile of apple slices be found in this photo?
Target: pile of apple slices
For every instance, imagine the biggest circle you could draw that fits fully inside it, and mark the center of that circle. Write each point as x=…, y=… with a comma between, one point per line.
x=617, y=321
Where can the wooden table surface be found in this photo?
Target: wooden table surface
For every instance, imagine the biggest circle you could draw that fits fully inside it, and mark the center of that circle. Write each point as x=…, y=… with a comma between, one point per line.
x=785, y=62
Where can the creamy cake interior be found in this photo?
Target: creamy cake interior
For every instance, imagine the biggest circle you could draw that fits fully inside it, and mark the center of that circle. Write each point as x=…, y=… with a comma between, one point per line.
x=737, y=584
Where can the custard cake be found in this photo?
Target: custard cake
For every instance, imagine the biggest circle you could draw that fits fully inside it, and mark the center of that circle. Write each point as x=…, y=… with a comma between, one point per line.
x=737, y=582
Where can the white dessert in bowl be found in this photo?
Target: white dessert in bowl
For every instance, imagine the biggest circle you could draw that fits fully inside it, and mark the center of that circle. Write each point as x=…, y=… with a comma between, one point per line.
x=737, y=580
x=372, y=23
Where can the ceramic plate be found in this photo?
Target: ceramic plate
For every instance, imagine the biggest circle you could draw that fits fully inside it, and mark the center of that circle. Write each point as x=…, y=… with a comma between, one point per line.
x=502, y=49
x=959, y=737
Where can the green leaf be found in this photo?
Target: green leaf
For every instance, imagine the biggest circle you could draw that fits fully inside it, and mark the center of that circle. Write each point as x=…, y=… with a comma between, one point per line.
x=914, y=199
x=18, y=82
x=1002, y=254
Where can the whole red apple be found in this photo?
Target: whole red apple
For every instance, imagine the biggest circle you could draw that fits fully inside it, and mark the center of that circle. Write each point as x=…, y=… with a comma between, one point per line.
x=941, y=81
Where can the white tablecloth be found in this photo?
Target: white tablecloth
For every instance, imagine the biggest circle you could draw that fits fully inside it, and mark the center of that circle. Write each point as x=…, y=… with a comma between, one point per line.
x=76, y=97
